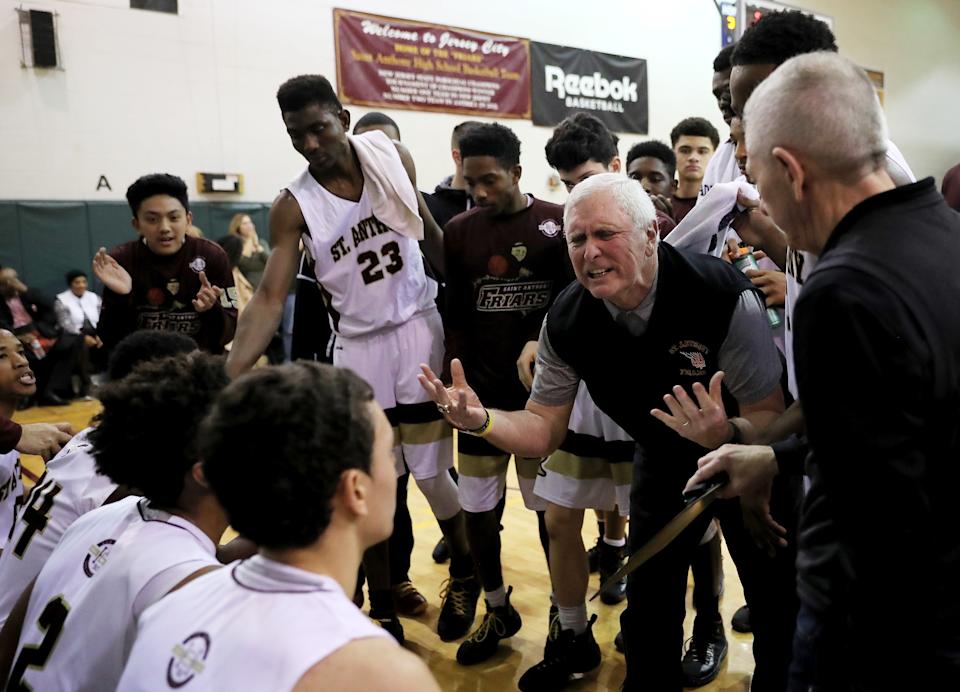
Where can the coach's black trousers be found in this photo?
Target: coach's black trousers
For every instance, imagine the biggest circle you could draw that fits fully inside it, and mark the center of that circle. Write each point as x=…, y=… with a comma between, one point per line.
x=653, y=621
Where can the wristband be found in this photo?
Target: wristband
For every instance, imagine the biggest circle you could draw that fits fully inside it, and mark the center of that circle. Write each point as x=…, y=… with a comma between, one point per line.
x=484, y=429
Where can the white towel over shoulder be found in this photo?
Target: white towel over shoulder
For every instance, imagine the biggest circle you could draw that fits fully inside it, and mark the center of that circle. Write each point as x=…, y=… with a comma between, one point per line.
x=392, y=194
x=705, y=227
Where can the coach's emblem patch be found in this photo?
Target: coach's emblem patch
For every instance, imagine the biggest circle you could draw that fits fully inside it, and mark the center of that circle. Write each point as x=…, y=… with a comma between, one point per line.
x=519, y=252
x=97, y=557
x=198, y=264
x=173, y=286
x=549, y=228
x=188, y=659
x=696, y=359
x=695, y=354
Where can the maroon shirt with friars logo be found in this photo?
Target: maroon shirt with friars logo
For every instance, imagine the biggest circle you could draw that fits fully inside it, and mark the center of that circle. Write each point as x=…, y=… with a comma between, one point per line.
x=503, y=273
x=163, y=291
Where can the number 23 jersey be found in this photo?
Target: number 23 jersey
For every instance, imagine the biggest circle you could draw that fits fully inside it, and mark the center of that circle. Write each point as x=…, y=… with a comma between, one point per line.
x=372, y=277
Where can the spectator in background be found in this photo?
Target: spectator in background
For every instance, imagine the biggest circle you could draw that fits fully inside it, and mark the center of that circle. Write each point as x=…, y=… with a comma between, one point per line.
x=166, y=280
x=694, y=141
x=32, y=319
x=254, y=256
x=78, y=312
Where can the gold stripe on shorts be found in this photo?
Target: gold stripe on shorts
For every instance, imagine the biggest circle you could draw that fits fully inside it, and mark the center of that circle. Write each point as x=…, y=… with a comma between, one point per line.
x=584, y=468
x=488, y=466
x=424, y=433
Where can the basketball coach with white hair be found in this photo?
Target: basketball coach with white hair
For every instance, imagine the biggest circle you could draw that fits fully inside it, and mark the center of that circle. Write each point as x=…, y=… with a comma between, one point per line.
x=643, y=325
x=877, y=344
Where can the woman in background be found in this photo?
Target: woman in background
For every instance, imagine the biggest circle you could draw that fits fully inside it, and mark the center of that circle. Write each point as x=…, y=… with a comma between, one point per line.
x=253, y=259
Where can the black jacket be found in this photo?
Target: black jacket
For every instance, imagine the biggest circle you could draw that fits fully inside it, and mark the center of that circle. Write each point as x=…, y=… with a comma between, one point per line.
x=877, y=344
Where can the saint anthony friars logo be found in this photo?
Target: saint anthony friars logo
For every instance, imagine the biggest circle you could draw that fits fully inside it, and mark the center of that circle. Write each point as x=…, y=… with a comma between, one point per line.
x=549, y=228
x=198, y=264
x=97, y=557
x=188, y=659
x=695, y=354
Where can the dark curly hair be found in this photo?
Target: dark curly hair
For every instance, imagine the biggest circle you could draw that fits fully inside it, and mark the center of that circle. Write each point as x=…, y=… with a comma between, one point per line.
x=721, y=63
x=147, y=433
x=779, y=36
x=695, y=127
x=491, y=139
x=580, y=138
x=157, y=184
x=276, y=443
x=656, y=149
x=144, y=345
x=305, y=90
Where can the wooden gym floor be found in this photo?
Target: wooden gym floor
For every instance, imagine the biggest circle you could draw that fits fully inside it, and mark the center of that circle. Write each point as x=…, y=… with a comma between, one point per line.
x=524, y=569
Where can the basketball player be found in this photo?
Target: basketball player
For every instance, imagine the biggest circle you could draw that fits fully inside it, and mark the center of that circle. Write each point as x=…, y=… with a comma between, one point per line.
x=283, y=620
x=70, y=486
x=358, y=211
x=73, y=626
x=506, y=263
x=16, y=382
x=653, y=165
x=694, y=141
x=723, y=165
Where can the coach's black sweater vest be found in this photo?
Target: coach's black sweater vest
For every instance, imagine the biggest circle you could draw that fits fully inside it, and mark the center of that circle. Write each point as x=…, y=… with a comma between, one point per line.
x=627, y=376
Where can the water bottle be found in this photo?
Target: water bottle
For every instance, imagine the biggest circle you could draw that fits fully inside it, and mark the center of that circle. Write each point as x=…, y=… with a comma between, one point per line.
x=37, y=348
x=745, y=261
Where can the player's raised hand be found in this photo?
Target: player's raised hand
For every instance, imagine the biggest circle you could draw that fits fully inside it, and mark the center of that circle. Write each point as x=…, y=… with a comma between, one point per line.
x=703, y=421
x=207, y=296
x=109, y=271
x=458, y=403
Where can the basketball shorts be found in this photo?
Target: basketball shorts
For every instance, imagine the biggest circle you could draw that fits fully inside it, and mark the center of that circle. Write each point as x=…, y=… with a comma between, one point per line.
x=593, y=468
x=483, y=475
x=390, y=361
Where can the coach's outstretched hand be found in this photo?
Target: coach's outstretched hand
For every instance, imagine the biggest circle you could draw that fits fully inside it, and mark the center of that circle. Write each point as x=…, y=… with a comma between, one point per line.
x=458, y=403
x=703, y=421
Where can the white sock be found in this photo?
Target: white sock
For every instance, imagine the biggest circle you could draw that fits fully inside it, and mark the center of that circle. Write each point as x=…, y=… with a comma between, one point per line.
x=615, y=542
x=496, y=598
x=574, y=618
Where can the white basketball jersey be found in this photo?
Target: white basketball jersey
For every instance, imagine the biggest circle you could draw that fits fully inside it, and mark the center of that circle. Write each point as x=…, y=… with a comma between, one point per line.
x=371, y=276
x=110, y=565
x=254, y=625
x=11, y=495
x=722, y=168
x=801, y=263
x=69, y=488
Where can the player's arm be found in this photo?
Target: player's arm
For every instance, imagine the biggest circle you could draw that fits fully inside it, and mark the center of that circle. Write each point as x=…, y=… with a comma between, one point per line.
x=432, y=243
x=260, y=319
x=10, y=634
x=379, y=663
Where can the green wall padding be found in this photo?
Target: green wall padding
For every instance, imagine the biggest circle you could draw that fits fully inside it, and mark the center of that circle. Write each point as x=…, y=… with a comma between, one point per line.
x=44, y=240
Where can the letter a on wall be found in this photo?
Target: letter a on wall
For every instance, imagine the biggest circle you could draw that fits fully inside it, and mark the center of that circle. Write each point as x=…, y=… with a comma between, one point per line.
x=570, y=80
